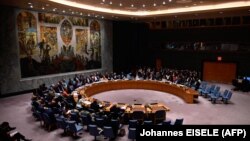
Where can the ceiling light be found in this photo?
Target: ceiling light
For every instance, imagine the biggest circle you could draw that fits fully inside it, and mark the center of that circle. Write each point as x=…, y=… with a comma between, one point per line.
x=43, y=8
x=102, y=17
x=54, y=9
x=110, y=2
x=31, y=6
x=63, y=11
x=81, y=13
x=163, y=2
x=201, y=1
x=195, y=4
x=221, y=12
x=101, y=3
x=96, y=16
x=154, y=4
x=103, y=0
x=29, y=3
x=226, y=5
x=120, y=4
x=132, y=5
x=72, y=12
x=169, y=0
x=88, y=14
x=143, y=5
x=47, y=5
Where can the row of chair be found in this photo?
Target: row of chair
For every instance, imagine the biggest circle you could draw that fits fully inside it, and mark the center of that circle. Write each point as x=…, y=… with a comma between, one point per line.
x=213, y=93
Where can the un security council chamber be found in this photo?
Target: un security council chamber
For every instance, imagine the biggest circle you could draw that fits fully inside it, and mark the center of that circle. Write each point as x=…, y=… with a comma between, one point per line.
x=98, y=69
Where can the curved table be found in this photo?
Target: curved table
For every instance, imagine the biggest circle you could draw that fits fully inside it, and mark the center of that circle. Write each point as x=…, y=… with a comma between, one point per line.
x=187, y=94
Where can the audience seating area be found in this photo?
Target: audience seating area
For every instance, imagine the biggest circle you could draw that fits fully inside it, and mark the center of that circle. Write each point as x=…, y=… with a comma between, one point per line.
x=58, y=107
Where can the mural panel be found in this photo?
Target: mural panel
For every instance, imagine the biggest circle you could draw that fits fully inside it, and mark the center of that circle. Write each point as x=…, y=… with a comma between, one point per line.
x=48, y=45
x=49, y=54
x=78, y=21
x=50, y=18
x=66, y=32
x=95, y=43
x=81, y=41
x=27, y=34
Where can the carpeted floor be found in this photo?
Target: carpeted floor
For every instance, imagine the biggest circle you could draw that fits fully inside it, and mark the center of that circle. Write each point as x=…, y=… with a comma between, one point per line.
x=17, y=111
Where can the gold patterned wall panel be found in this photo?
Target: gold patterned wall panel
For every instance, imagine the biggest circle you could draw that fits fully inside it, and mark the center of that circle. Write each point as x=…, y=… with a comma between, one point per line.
x=27, y=34
x=48, y=45
x=66, y=32
x=95, y=40
x=81, y=41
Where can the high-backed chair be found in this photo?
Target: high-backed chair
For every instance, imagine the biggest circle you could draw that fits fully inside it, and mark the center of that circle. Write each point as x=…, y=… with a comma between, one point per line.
x=178, y=121
x=93, y=131
x=166, y=122
x=74, y=128
x=99, y=122
x=132, y=133
x=227, y=97
x=132, y=123
x=159, y=116
x=138, y=115
x=147, y=122
x=108, y=132
x=61, y=123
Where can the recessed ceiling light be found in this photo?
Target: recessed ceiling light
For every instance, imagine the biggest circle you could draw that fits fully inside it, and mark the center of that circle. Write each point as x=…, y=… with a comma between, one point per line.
x=54, y=9
x=29, y=3
x=63, y=11
x=88, y=14
x=169, y=0
x=195, y=4
x=81, y=13
x=31, y=6
x=110, y=2
x=132, y=5
x=103, y=0
x=72, y=12
x=120, y=4
x=102, y=17
x=154, y=4
x=143, y=5
x=43, y=8
x=47, y=4
x=163, y=2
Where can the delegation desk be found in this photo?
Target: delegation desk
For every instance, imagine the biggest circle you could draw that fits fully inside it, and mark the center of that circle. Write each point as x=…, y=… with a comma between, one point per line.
x=187, y=94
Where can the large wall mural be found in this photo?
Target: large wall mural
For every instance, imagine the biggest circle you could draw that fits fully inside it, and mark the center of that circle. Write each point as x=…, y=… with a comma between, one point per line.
x=51, y=44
